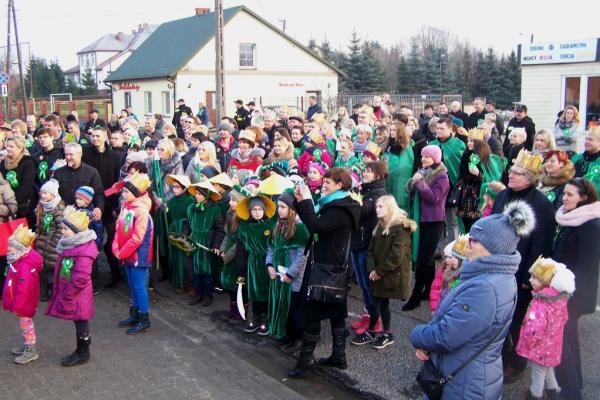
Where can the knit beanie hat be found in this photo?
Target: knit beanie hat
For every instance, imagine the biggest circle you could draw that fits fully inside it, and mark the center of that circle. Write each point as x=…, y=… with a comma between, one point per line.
x=50, y=187
x=433, y=152
x=235, y=194
x=500, y=233
x=256, y=202
x=287, y=197
x=85, y=193
x=224, y=126
x=319, y=167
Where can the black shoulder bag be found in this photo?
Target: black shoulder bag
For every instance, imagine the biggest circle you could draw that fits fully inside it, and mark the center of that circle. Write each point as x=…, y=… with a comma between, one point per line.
x=432, y=381
x=327, y=282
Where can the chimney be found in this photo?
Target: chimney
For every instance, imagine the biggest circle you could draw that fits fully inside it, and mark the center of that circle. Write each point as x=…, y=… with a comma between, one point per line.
x=145, y=26
x=120, y=36
x=202, y=10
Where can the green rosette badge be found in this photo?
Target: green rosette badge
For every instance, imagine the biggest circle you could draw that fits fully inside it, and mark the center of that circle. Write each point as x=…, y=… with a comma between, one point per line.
x=43, y=170
x=474, y=160
x=11, y=177
x=66, y=266
x=551, y=196
x=128, y=220
x=47, y=221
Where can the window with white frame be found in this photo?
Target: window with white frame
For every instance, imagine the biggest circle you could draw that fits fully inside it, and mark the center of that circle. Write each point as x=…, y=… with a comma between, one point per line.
x=247, y=55
x=166, y=102
x=148, y=102
x=127, y=99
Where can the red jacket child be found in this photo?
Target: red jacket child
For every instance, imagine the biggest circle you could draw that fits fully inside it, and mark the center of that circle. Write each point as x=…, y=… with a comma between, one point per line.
x=21, y=292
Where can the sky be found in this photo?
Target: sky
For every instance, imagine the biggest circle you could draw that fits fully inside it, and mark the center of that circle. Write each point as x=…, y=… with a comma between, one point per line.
x=57, y=29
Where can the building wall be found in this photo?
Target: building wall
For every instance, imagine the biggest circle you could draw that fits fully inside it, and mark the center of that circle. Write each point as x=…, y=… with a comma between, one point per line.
x=156, y=87
x=542, y=88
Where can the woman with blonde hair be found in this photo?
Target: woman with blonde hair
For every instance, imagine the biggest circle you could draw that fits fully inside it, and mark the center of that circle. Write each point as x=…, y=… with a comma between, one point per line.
x=206, y=156
x=389, y=266
x=567, y=126
x=18, y=168
x=543, y=142
x=19, y=127
x=169, y=131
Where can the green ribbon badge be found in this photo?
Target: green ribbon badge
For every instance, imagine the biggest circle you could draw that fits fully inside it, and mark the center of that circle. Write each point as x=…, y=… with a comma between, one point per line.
x=11, y=177
x=317, y=154
x=48, y=218
x=66, y=265
x=28, y=143
x=128, y=221
x=83, y=141
x=297, y=151
x=593, y=173
x=474, y=160
x=43, y=169
x=551, y=196
x=200, y=206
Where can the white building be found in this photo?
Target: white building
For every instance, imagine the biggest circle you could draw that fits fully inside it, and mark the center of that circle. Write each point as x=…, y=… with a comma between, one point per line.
x=107, y=53
x=558, y=74
x=262, y=64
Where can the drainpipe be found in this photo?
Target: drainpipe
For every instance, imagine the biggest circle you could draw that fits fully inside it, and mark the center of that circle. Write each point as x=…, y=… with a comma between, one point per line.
x=171, y=80
x=109, y=84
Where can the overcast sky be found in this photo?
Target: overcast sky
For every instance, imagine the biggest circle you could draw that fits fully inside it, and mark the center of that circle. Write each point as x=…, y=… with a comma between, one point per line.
x=58, y=29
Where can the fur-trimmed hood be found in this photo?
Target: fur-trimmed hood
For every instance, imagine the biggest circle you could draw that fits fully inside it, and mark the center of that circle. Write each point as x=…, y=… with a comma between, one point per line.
x=399, y=222
x=428, y=174
x=254, y=152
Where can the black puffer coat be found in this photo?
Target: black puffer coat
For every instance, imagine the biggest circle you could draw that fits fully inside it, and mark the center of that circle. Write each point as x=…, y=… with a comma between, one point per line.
x=368, y=218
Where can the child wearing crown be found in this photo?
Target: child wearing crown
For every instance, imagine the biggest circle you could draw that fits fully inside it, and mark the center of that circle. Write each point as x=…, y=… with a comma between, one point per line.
x=73, y=297
x=22, y=289
x=541, y=337
x=132, y=246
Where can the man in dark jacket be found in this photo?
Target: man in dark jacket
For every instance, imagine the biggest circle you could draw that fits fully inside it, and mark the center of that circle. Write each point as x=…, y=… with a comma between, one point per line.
x=521, y=120
x=457, y=112
x=490, y=107
x=46, y=156
x=94, y=121
x=314, y=107
x=224, y=144
x=522, y=186
x=108, y=163
x=179, y=111
x=241, y=115
x=478, y=115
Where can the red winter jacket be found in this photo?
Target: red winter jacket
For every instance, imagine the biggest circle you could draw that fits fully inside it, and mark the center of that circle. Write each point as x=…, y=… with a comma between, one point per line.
x=435, y=294
x=21, y=292
x=133, y=234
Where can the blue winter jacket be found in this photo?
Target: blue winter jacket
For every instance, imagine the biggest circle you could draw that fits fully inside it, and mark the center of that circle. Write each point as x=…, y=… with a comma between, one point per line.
x=467, y=319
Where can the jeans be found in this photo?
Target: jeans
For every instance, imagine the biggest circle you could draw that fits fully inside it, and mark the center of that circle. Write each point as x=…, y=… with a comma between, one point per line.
x=451, y=224
x=138, y=285
x=110, y=222
x=203, y=284
x=359, y=264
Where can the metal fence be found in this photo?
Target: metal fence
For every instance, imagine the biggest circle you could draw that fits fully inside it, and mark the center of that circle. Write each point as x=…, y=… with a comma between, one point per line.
x=415, y=101
x=64, y=108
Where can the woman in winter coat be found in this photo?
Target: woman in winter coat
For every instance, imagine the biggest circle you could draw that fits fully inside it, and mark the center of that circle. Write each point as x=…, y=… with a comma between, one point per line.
x=389, y=264
x=21, y=292
x=166, y=162
x=558, y=170
x=206, y=156
x=18, y=169
x=476, y=315
x=333, y=218
x=373, y=187
x=283, y=149
x=73, y=297
x=247, y=155
x=430, y=185
x=577, y=247
x=541, y=336
x=567, y=126
x=8, y=201
x=400, y=160
x=224, y=144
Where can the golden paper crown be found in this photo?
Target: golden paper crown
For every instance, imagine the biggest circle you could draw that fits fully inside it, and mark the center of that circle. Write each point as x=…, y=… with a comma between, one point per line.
x=183, y=180
x=140, y=181
x=543, y=269
x=533, y=163
x=78, y=219
x=23, y=235
x=461, y=247
x=476, y=134
x=319, y=118
x=373, y=149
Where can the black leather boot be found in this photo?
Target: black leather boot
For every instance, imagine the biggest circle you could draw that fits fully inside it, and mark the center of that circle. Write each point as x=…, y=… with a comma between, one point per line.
x=338, y=354
x=142, y=325
x=309, y=342
x=48, y=293
x=81, y=355
x=134, y=316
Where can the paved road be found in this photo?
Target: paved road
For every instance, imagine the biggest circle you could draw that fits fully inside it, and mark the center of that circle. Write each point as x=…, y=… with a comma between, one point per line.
x=189, y=353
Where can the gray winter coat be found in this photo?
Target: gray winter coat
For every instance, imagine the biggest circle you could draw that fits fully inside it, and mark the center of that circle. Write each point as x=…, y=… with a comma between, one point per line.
x=296, y=268
x=467, y=319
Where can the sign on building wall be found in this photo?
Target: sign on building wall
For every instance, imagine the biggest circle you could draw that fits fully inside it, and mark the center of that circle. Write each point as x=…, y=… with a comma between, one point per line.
x=559, y=52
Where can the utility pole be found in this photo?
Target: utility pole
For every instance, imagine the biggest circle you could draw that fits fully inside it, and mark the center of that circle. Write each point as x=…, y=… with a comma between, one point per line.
x=7, y=105
x=19, y=59
x=220, y=64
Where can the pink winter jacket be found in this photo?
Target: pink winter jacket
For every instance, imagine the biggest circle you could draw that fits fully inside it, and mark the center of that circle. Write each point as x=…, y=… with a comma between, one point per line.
x=74, y=299
x=21, y=292
x=541, y=336
x=435, y=294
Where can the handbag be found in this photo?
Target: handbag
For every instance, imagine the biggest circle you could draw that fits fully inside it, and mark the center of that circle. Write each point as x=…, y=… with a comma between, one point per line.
x=455, y=196
x=327, y=282
x=432, y=381
x=6, y=229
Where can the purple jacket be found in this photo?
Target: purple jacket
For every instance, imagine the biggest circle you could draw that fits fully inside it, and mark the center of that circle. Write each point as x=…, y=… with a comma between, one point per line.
x=73, y=298
x=432, y=197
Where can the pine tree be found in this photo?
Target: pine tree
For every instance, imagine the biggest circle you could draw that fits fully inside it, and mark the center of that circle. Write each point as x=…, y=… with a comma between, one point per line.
x=480, y=76
x=372, y=78
x=353, y=65
x=326, y=52
x=514, y=76
x=312, y=44
x=415, y=69
x=403, y=84
x=88, y=82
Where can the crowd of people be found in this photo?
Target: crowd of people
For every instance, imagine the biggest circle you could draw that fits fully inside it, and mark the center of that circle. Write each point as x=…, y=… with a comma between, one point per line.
x=268, y=207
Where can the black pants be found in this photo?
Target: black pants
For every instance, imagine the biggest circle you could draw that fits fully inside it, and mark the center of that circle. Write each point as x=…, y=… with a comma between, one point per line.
x=313, y=326
x=295, y=322
x=429, y=236
x=380, y=308
x=468, y=223
x=259, y=310
x=110, y=223
x=568, y=373
x=509, y=354
x=82, y=328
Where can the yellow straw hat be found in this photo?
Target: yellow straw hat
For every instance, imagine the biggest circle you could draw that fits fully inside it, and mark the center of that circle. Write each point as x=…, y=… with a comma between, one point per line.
x=222, y=179
x=206, y=185
x=243, y=208
x=183, y=180
x=275, y=185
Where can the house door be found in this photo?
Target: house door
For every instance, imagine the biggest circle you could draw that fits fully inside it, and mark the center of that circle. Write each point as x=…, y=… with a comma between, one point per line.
x=212, y=108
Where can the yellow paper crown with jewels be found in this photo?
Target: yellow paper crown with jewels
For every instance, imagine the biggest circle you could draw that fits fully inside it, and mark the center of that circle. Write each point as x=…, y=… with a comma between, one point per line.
x=77, y=221
x=138, y=184
x=372, y=151
x=23, y=235
x=543, y=269
x=461, y=247
x=533, y=163
x=476, y=134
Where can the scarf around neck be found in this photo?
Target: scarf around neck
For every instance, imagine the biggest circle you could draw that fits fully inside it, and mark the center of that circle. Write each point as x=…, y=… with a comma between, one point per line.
x=66, y=243
x=19, y=252
x=52, y=204
x=578, y=216
x=12, y=164
x=338, y=194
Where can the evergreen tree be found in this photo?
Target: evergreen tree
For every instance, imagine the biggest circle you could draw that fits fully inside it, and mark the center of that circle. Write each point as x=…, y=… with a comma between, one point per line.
x=353, y=65
x=480, y=76
x=372, y=77
x=402, y=76
x=514, y=76
x=415, y=69
x=326, y=52
x=88, y=82
x=312, y=44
